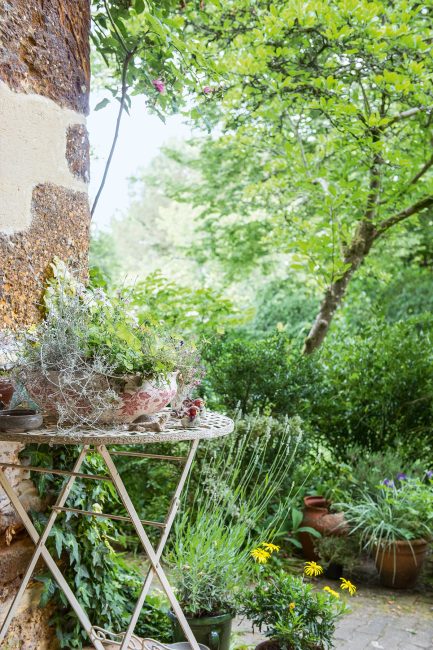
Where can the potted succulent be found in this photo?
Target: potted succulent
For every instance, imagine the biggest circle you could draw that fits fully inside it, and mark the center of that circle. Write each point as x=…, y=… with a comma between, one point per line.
x=90, y=362
x=396, y=526
x=291, y=613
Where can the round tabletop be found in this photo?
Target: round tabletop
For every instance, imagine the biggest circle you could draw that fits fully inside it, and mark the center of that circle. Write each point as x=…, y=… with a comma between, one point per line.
x=212, y=425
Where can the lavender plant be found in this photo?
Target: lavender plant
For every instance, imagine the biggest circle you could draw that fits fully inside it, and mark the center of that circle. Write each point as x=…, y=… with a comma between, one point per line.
x=227, y=509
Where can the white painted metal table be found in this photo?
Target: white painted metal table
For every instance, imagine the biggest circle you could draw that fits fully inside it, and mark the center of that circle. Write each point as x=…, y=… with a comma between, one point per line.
x=212, y=425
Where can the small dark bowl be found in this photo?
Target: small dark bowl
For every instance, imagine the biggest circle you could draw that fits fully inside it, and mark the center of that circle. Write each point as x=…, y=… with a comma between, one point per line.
x=20, y=420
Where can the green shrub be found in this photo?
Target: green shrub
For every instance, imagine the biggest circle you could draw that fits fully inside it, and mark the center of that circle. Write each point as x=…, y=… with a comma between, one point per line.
x=373, y=388
x=267, y=373
x=377, y=386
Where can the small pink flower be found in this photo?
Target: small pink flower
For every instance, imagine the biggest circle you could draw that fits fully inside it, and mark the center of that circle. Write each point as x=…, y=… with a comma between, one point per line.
x=159, y=85
x=207, y=90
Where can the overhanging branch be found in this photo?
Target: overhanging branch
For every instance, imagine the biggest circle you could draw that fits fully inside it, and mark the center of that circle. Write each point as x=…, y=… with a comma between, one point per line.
x=409, y=113
x=424, y=203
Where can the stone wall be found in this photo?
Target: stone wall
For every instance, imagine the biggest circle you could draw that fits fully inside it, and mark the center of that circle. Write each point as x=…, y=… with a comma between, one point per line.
x=44, y=212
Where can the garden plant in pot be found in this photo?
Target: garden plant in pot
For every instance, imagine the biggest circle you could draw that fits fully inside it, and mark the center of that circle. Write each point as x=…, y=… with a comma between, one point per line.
x=396, y=526
x=89, y=361
x=290, y=612
x=210, y=558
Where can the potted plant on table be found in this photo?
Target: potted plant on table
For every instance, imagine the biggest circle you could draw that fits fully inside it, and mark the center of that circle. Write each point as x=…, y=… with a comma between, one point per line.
x=89, y=361
x=396, y=526
x=291, y=613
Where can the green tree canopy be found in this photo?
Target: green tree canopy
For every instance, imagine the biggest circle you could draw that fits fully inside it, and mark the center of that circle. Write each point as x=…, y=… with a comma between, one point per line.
x=321, y=131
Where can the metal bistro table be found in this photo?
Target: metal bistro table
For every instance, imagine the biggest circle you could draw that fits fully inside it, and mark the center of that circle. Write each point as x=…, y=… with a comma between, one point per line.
x=212, y=425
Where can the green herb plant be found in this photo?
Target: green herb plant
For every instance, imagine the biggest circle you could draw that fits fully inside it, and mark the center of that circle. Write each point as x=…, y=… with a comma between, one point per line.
x=228, y=508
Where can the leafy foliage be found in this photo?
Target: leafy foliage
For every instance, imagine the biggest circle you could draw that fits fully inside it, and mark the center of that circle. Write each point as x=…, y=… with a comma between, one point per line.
x=321, y=141
x=148, y=47
x=289, y=611
x=259, y=373
x=104, y=583
x=400, y=510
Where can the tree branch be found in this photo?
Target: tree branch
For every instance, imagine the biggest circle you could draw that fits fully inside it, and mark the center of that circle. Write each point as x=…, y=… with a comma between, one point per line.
x=125, y=66
x=424, y=203
x=421, y=172
x=409, y=113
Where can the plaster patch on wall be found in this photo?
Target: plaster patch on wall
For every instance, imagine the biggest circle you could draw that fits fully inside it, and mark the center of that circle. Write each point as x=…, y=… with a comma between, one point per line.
x=33, y=131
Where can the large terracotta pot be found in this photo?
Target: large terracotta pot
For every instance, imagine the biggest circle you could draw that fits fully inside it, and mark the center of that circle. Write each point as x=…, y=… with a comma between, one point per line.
x=400, y=563
x=213, y=631
x=6, y=392
x=317, y=516
x=133, y=398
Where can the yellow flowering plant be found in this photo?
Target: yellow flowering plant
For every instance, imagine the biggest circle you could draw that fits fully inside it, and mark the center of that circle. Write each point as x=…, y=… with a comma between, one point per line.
x=289, y=610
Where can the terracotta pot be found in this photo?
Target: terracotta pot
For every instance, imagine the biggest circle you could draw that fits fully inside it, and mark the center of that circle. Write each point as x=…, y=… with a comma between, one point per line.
x=400, y=563
x=317, y=516
x=136, y=397
x=213, y=631
x=6, y=392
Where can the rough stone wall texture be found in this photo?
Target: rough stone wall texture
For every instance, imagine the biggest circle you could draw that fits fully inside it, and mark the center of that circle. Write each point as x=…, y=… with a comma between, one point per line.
x=44, y=212
x=46, y=49
x=60, y=223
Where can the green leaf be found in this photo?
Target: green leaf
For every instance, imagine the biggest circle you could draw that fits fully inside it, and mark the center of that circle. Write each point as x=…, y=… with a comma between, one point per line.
x=101, y=104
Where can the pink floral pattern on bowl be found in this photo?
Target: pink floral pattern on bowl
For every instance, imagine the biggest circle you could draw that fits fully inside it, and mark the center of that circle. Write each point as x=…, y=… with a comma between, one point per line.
x=133, y=399
x=147, y=399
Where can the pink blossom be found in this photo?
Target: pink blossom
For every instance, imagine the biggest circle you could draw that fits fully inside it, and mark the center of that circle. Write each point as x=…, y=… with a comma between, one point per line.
x=207, y=90
x=159, y=85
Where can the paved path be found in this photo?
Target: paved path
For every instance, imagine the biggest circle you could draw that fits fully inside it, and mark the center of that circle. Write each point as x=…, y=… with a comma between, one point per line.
x=380, y=619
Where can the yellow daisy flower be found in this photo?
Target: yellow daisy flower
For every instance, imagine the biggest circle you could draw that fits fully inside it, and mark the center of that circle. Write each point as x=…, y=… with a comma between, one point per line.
x=346, y=584
x=331, y=591
x=260, y=555
x=312, y=569
x=292, y=606
x=270, y=547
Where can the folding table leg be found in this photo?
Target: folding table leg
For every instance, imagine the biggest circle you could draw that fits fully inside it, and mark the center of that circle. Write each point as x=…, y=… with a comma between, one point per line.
x=41, y=550
x=102, y=449
x=174, y=506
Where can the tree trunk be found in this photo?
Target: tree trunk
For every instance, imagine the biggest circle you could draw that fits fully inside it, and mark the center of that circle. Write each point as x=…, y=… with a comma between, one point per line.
x=44, y=212
x=354, y=257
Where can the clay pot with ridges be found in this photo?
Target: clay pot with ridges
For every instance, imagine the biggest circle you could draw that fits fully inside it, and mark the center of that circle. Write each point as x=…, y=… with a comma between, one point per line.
x=399, y=564
x=317, y=516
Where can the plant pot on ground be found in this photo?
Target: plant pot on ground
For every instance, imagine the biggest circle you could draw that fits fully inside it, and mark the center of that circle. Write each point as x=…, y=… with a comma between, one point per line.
x=212, y=631
x=396, y=526
x=399, y=564
x=317, y=515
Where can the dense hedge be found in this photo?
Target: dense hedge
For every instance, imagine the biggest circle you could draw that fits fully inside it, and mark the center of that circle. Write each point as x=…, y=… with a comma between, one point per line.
x=370, y=388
